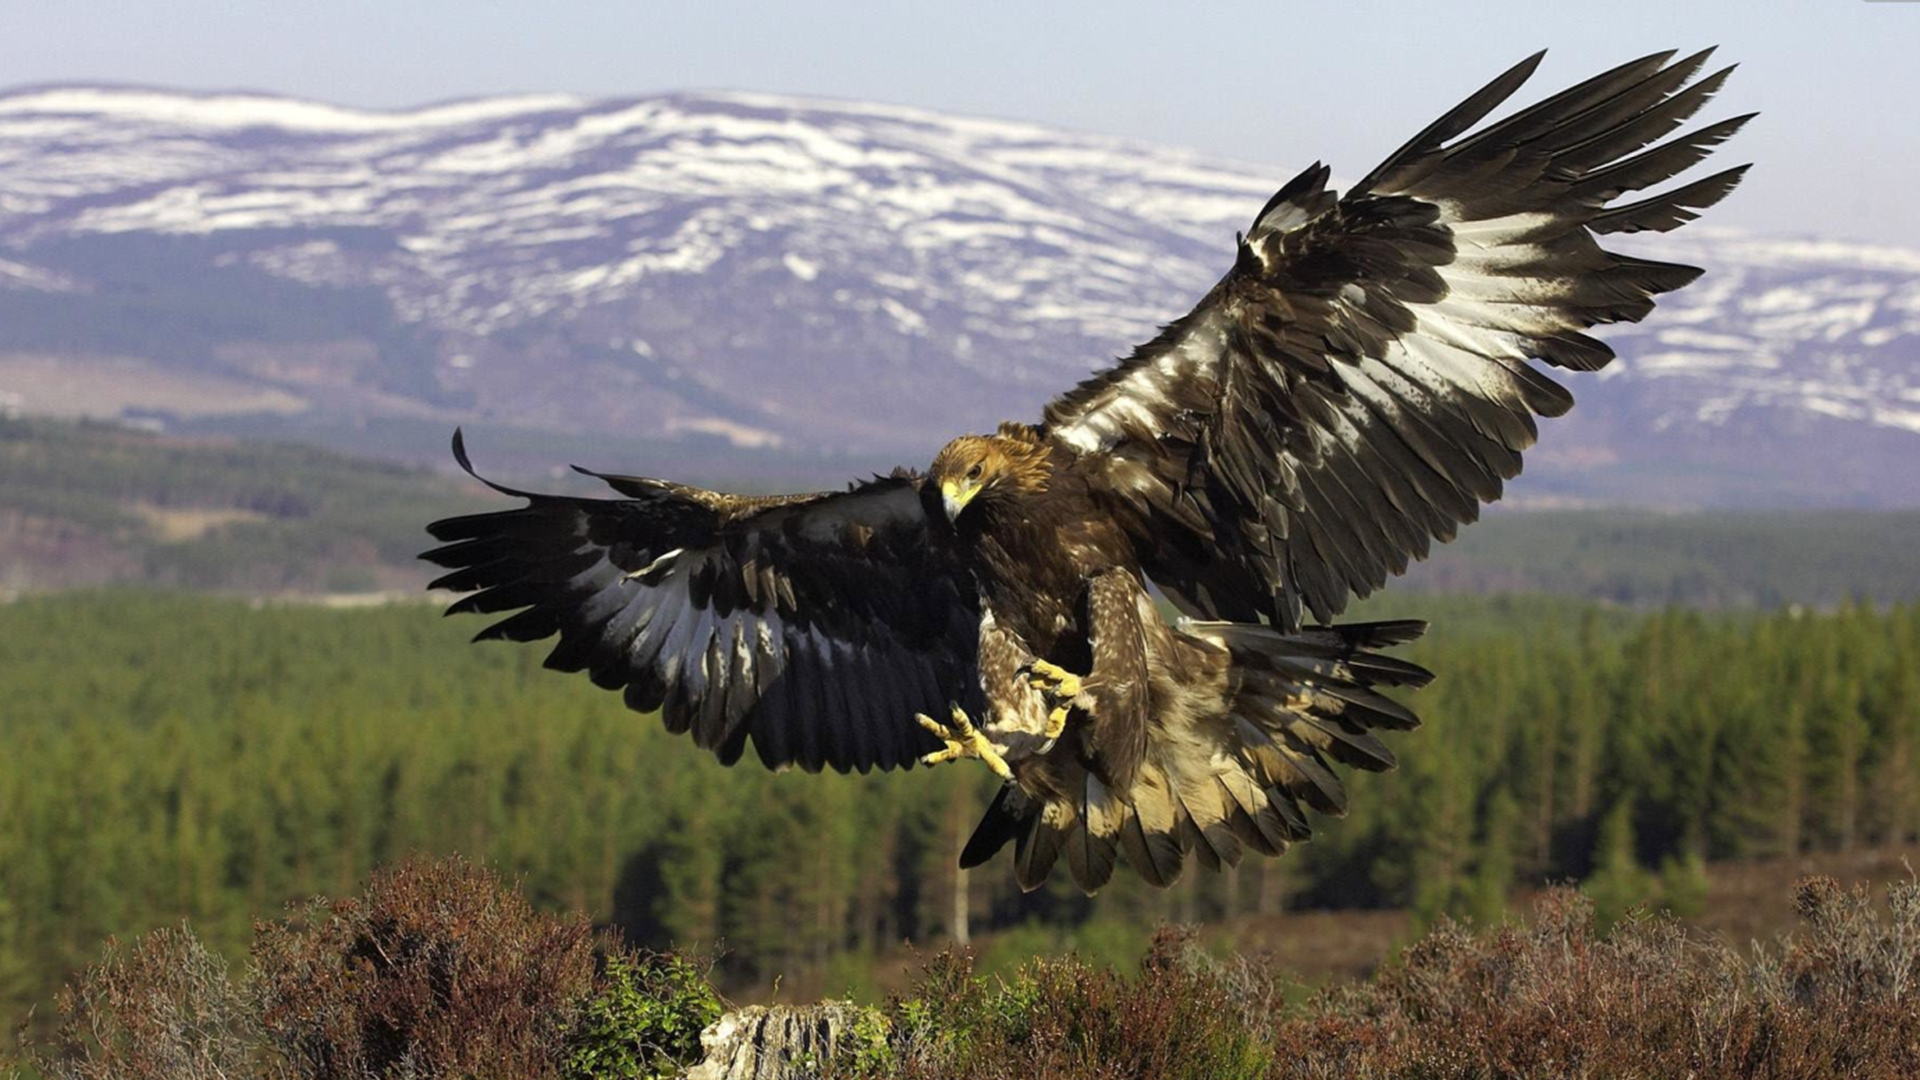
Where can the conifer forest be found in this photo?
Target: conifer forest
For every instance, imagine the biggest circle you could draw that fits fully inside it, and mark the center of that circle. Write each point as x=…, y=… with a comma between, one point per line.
x=180, y=757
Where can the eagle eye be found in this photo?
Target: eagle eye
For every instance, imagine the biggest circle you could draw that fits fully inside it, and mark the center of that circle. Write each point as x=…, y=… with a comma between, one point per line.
x=974, y=473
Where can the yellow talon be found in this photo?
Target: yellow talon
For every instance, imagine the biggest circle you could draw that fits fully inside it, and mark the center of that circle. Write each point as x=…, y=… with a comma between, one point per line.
x=1056, y=722
x=1053, y=679
x=963, y=741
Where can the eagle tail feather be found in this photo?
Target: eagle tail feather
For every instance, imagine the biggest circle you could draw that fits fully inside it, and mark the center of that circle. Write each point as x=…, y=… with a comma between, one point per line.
x=1006, y=819
x=1151, y=836
x=1090, y=841
x=1300, y=704
x=1039, y=847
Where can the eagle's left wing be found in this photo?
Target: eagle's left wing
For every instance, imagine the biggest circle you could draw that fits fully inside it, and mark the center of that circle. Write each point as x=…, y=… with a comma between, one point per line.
x=814, y=625
x=1359, y=381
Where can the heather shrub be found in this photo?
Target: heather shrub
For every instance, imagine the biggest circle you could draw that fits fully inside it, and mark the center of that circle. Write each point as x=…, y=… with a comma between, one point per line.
x=1556, y=999
x=440, y=970
x=437, y=970
x=1846, y=958
x=162, y=1008
x=1549, y=998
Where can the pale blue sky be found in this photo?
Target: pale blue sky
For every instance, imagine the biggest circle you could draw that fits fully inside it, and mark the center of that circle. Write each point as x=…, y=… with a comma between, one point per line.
x=1283, y=83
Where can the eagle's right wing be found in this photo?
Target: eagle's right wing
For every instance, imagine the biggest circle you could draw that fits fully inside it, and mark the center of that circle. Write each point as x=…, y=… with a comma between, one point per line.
x=1360, y=381
x=815, y=625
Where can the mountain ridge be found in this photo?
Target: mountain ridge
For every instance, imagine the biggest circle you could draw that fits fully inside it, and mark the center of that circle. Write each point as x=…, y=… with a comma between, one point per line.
x=804, y=276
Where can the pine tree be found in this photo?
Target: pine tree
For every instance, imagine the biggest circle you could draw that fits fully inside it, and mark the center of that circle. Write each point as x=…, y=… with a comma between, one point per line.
x=1486, y=894
x=1618, y=882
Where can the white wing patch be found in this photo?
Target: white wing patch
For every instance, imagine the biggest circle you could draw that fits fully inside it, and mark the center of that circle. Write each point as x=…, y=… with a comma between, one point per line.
x=1143, y=399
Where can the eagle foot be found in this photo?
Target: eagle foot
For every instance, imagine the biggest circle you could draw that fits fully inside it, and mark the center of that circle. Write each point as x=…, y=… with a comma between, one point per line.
x=1062, y=689
x=1053, y=680
x=963, y=741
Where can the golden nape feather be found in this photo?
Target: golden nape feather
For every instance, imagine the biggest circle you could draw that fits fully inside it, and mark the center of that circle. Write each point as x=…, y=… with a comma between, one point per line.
x=1359, y=382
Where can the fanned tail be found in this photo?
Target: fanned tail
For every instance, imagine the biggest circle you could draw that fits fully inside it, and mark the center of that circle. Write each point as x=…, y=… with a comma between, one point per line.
x=1298, y=705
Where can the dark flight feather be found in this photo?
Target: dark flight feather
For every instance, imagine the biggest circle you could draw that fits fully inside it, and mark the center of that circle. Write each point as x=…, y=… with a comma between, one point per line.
x=649, y=594
x=1366, y=368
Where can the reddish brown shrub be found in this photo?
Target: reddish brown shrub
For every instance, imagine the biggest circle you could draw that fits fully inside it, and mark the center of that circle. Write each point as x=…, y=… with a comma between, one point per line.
x=1646, y=1001
x=439, y=970
x=159, y=1009
x=1550, y=1000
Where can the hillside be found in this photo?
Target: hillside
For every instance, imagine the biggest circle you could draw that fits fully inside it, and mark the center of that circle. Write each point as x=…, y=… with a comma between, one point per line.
x=746, y=273
x=86, y=504
x=91, y=504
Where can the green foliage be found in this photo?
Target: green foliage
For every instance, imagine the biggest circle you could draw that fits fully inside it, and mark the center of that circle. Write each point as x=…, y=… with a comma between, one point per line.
x=1102, y=940
x=645, y=1021
x=1619, y=884
x=1485, y=896
x=868, y=1049
x=1683, y=885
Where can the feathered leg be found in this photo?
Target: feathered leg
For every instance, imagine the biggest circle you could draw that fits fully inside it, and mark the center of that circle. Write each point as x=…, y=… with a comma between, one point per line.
x=1115, y=695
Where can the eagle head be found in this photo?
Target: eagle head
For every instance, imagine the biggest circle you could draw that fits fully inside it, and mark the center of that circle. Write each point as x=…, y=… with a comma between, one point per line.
x=989, y=468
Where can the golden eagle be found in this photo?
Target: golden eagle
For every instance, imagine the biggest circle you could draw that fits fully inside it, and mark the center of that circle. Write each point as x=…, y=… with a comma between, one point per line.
x=1352, y=389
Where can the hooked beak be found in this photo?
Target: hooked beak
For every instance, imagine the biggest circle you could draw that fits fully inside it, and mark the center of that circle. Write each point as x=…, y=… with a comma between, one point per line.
x=955, y=495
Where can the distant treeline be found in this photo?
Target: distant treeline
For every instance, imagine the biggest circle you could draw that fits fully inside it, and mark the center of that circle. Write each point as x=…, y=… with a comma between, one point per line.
x=176, y=757
x=1712, y=559
x=82, y=504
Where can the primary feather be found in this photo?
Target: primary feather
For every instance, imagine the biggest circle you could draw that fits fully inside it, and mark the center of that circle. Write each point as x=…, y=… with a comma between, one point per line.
x=1360, y=381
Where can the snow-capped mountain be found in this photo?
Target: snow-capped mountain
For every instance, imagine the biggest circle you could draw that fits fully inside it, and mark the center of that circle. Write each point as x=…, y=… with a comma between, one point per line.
x=804, y=275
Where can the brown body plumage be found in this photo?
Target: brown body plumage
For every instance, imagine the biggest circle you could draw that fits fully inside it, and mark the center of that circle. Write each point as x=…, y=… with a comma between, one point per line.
x=1353, y=389
x=1143, y=773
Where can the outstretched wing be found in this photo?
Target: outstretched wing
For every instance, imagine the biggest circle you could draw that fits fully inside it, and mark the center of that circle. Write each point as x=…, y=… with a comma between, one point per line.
x=1358, y=383
x=814, y=625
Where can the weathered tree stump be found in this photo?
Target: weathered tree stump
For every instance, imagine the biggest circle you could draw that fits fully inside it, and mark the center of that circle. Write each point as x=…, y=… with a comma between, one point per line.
x=780, y=1042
